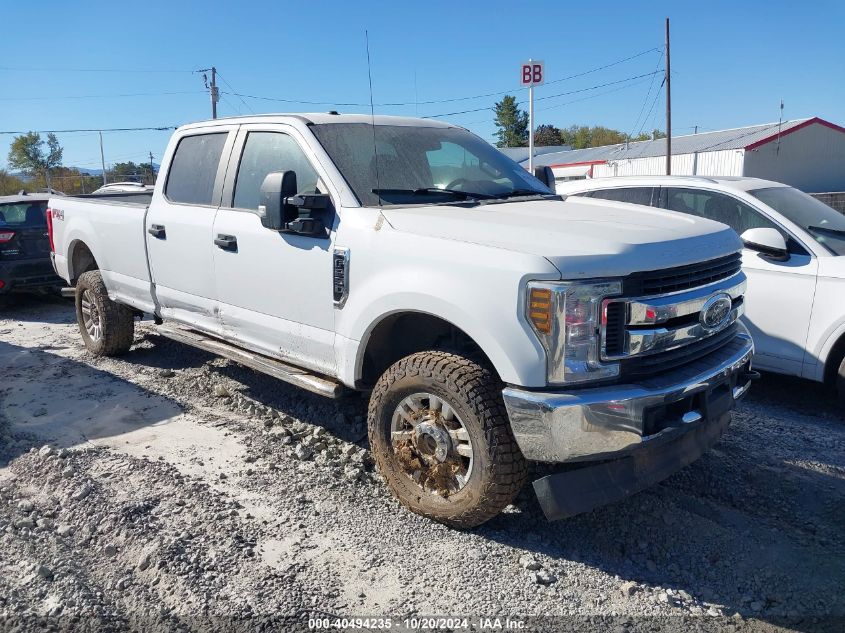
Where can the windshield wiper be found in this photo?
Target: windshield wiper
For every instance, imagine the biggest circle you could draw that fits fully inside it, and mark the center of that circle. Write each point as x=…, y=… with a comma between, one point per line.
x=466, y=195
x=520, y=192
x=826, y=231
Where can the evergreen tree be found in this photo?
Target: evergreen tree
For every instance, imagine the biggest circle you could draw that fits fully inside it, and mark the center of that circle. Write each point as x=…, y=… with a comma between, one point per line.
x=512, y=123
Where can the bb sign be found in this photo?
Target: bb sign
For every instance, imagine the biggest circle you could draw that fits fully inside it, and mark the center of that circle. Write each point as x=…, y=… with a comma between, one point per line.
x=531, y=73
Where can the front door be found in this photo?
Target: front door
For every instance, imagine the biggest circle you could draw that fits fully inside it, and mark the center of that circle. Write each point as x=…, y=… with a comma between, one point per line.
x=274, y=288
x=779, y=299
x=179, y=230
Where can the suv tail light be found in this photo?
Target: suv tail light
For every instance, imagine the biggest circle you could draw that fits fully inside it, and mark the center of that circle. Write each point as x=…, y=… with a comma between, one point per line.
x=50, y=229
x=6, y=236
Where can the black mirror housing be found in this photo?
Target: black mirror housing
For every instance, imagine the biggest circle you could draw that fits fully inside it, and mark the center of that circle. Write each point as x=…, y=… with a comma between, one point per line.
x=277, y=187
x=546, y=176
x=283, y=209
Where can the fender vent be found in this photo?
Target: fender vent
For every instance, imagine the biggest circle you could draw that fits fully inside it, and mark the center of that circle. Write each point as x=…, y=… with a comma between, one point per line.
x=340, y=275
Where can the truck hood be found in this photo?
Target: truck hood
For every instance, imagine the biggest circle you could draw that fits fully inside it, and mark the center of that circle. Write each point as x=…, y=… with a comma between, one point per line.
x=582, y=238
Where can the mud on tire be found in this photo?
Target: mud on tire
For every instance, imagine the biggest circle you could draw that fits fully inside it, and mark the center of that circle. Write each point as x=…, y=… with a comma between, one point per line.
x=113, y=324
x=498, y=469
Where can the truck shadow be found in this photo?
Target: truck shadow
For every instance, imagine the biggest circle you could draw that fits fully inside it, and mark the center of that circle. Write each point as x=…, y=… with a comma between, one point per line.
x=46, y=398
x=40, y=308
x=755, y=526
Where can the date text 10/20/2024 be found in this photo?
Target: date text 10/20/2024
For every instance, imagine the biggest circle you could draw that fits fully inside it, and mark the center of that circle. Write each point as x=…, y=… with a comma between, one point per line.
x=418, y=623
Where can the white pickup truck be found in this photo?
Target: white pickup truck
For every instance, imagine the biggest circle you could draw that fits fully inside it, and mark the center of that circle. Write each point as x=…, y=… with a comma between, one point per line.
x=491, y=322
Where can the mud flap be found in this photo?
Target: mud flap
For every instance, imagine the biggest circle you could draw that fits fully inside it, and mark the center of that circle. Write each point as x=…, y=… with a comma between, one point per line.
x=566, y=494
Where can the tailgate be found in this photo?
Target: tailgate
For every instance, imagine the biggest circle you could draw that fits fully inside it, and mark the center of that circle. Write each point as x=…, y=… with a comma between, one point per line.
x=23, y=231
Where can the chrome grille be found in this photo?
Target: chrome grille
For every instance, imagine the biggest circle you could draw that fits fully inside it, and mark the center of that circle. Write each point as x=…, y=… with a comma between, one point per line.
x=651, y=332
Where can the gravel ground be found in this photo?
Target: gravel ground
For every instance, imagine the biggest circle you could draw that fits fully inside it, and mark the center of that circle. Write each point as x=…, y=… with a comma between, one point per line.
x=173, y=490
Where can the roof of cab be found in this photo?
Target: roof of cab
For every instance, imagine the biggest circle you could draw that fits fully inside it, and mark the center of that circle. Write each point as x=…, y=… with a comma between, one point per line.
x=310, y=118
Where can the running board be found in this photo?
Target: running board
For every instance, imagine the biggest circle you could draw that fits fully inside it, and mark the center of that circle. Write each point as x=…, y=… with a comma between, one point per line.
x=290, y=374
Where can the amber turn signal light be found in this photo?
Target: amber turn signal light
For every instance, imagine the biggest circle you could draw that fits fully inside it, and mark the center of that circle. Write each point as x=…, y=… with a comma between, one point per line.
x=540, y=309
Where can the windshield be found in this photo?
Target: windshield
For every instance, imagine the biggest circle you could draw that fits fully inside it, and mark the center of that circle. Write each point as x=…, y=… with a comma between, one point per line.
x=825, y=224
x=422, y=165
x=23, y=214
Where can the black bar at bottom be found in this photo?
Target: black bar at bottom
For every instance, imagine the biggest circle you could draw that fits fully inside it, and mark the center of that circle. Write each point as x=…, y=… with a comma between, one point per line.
x=566, y=494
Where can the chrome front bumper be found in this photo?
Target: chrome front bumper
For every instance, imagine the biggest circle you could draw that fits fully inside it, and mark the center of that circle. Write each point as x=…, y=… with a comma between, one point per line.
x=606, y=422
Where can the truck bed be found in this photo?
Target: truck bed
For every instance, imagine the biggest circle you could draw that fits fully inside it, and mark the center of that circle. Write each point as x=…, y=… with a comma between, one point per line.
x=142, y=198
x=112, y=226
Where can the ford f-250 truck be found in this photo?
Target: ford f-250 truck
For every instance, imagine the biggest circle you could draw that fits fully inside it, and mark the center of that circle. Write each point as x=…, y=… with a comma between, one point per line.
x=491, y=322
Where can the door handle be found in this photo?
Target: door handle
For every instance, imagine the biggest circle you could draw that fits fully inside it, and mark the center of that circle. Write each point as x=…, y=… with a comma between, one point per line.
x=226, y=242
x=157, y=230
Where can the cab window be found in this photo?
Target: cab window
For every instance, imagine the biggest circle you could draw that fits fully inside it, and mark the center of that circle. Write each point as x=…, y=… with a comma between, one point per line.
x=266, y=152
x=193, y=169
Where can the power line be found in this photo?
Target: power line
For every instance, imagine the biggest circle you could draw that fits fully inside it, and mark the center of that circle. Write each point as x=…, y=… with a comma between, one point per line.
x=433, y=101
x=601, y=94
x=653, y=103
x=561, y=94
x=162, y=128
x=246, y=105
x=131, y=94
x=92, y=70
x=648, y=94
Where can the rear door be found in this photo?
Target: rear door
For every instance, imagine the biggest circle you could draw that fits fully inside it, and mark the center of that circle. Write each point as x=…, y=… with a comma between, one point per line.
x=780, y=294
x=179, y=227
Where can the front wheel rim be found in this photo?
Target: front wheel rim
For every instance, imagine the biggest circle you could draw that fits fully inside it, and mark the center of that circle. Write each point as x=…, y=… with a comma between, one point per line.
x=431, y=444
x=91, y=316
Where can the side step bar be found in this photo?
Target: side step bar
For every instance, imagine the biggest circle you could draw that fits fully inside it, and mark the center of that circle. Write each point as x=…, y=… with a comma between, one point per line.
x=290, y=374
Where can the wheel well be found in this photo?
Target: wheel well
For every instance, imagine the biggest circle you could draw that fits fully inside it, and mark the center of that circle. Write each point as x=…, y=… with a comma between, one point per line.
x=834, y=359
x=81, y=261
x=402, y=334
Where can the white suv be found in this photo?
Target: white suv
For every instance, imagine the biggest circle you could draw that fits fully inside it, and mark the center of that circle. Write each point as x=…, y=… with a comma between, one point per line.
x=793, y=258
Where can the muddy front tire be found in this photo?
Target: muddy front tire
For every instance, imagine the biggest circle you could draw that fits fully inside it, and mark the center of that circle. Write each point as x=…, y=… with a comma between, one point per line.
x=441, y=439
x=107, y=327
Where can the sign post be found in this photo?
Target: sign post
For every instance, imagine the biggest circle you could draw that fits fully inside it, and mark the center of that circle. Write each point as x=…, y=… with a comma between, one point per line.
x=532, y=73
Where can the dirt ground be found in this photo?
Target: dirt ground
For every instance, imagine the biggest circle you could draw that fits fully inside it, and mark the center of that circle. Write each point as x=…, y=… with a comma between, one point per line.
x=172, y=490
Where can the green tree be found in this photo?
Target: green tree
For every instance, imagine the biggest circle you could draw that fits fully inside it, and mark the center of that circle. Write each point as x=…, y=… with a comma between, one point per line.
x=140, y=172
x=546, y=135
x=28, y=155
x=581, y=136
x=10, y=184
x=512, y=123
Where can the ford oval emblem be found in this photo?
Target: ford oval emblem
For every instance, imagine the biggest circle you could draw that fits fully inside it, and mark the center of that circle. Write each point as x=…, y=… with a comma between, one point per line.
x=716, y=311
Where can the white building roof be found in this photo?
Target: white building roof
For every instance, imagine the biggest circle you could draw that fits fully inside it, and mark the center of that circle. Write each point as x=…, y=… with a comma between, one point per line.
x=738, y=138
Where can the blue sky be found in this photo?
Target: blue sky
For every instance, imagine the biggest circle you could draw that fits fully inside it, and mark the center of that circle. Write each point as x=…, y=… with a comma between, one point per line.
x=732, y=62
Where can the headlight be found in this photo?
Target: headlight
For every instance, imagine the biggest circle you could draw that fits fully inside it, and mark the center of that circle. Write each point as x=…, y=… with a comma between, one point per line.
x=567, y=317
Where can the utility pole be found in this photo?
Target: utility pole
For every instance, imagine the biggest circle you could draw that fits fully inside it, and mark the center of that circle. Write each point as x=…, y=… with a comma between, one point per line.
x=668, y=106
x=102, y=159
x=215, y=95
x=152, y=170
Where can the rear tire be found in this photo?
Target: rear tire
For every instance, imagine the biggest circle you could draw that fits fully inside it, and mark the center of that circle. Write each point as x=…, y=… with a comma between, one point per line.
x=459, y=402
x=107, y=328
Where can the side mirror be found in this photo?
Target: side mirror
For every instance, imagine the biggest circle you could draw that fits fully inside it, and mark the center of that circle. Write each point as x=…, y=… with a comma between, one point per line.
x=768, y=242
x=277, y=186
x=546, y=176
x=282, y=209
